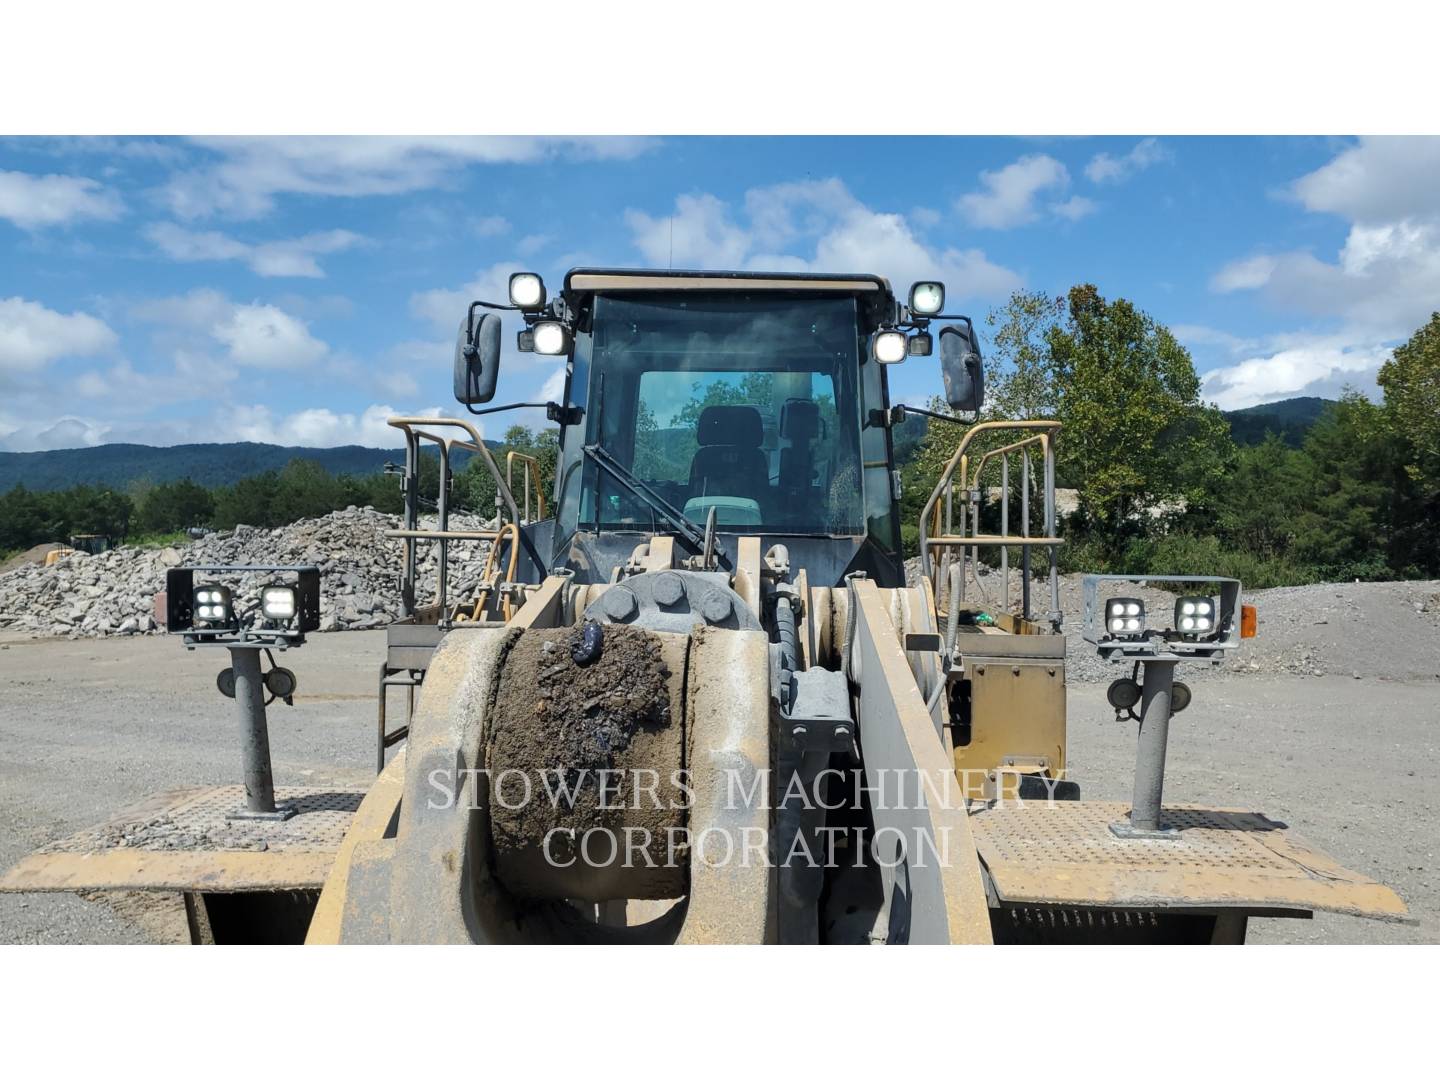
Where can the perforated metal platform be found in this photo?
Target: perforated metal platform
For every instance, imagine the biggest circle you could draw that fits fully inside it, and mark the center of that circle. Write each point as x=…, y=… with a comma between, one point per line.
x=187, y=841
x=1064, y=853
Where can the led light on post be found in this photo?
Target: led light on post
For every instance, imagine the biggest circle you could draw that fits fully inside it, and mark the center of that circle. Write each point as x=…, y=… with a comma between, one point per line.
x=277, y=603
x=927, y=298
x=211, y=604
x=527, y=291
x=1125, y=617
x=888, y=346
x=551, y=339
x=1194, y=615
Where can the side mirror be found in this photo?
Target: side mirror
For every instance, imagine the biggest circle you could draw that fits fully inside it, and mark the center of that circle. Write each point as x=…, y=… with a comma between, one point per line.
x=960, y=367
x=477, y=359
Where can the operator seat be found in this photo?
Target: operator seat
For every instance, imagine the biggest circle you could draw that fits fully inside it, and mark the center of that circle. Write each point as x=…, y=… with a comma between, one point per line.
x=801, y=424
x=730, y=461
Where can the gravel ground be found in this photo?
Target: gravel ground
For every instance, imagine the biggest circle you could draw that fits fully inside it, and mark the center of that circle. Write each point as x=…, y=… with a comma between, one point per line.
x=88, y=726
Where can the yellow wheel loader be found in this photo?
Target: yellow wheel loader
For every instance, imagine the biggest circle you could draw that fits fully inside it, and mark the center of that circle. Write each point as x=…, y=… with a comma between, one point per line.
x=694, y=698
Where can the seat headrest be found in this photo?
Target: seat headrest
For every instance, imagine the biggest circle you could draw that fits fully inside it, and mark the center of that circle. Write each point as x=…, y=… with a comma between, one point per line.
x=799, y=419
x=730, y=425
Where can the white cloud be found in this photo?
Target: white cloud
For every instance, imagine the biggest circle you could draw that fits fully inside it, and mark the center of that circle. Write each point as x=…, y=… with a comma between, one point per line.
x=1379, y=179
x=445, y=308
x=554, y=385
x=252, y=171
x=1075, y=208
x=1249, y=273
x=32, y=335
x=235, y=423
x=1107, y=169
x=1008, y=196
x=34, y=202
x=277, y=258
x=1311, y=365
x=1385, y=279
x=836, y=232
x=255, y=334
x=1192, y=335
x=494, y=225
x=318, y=427
x=261, y=335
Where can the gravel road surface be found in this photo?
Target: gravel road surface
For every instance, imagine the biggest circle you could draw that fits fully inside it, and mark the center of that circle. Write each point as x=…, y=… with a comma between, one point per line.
x=88, y=726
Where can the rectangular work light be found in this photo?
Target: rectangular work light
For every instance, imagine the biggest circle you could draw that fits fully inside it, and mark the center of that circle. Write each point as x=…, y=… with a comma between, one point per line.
x=211, y=604
x=278, y=603
x=527, y=291
x=1195, y=615
x=1125, y=616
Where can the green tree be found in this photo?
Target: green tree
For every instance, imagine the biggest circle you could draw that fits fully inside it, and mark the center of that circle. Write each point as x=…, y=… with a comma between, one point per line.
x=1018, y=368
x=1411, y=382
x=176, y=505
x=1136, y=434
x=1357, y=493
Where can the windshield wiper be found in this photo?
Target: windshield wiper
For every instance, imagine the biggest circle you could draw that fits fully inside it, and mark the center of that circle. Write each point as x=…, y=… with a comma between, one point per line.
x=637, y=487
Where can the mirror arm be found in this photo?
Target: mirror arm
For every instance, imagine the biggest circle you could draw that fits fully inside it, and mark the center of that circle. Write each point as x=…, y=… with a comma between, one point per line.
x=899, y=412
x=561, y=414
x=470, y=322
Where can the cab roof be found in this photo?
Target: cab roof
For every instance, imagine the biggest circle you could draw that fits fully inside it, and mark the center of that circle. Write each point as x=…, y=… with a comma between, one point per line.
x=587, y=279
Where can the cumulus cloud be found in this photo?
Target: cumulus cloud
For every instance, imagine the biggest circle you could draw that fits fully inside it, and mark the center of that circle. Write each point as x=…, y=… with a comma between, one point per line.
x=1108, y=169
x=276, y=258
x=1012, y=196
x=237, y=423
x=35, y=202
x=1249, y=273
x=251, y=172
x=1295, y=365
x=255, y=335
x=816, y=226
x=261, y=335
x=32, y=335
x=1380, y=178
x=1385, y=280
x=319, y=427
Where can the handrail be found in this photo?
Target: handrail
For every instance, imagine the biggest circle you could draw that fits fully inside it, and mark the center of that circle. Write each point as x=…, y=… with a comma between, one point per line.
x=969, y=535
x=414, y=429
x=531, y=468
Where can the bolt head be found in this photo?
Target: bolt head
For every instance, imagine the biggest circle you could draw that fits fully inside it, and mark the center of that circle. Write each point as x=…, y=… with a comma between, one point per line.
x=669, y=589
x=715, y=606
x=618, y=602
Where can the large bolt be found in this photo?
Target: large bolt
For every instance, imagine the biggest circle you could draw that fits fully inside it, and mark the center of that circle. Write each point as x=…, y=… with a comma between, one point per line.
x=618, y=602
x=669, y=589
x=715, y=606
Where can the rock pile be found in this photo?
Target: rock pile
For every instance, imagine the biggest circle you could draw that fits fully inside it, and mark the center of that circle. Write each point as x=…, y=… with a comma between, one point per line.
x=113, y=593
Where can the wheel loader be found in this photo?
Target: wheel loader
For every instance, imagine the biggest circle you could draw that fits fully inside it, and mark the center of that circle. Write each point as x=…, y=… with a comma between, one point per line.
x=694, y=697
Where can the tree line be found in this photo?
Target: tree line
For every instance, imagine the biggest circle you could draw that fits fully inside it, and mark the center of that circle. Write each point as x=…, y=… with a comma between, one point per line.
x=1162, y=486
x=301, y=489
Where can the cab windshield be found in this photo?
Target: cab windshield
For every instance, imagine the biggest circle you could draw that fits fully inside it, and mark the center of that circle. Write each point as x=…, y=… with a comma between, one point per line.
x=745, y=403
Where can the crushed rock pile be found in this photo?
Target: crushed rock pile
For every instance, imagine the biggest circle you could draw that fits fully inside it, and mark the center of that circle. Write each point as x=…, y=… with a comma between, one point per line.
x=1367, y=629
x=113, y=593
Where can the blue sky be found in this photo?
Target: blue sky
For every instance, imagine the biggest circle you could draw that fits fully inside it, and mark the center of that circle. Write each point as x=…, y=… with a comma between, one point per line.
x=301, y=290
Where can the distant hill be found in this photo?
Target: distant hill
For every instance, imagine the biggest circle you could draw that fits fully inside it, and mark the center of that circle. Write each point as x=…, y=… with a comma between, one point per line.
x=118, y=465
x=1290, y=419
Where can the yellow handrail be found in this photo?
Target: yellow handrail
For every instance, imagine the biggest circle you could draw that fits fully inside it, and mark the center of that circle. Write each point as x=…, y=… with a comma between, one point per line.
x=532, y=478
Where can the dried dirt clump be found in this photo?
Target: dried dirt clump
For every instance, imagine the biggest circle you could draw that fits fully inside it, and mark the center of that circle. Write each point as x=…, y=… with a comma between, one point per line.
x=578, y=748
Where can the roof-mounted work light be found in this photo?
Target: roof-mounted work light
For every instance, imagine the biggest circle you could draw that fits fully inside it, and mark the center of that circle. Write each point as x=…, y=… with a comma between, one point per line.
x=527, y=291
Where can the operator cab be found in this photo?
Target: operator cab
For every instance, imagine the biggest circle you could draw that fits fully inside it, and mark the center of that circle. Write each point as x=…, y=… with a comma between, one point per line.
x=756, y=403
